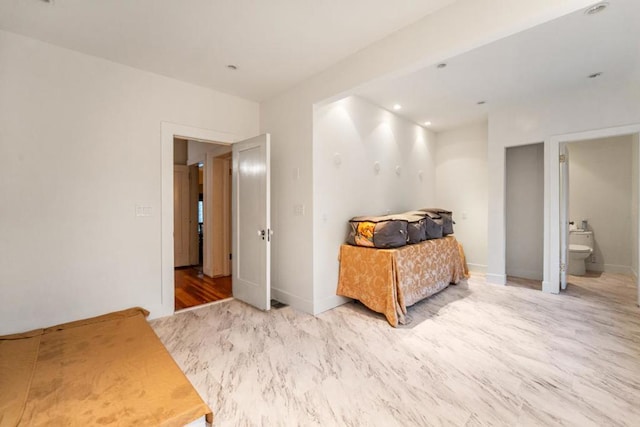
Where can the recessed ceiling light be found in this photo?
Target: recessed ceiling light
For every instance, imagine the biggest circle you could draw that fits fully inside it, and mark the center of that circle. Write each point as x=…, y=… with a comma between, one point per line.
x=595, y=75
x=427, y=123
x=442, y=65
x=232, y=67
x=482, y=102
x=397, y=107
x=596, y=8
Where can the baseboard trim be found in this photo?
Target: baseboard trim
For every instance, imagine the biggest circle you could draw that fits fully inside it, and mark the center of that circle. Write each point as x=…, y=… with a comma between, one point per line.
x=611, y=268
x=329, y=303
x=496, y=279
x=549, y=287
x=477, y=268
x=292, y=300
x=526, y=274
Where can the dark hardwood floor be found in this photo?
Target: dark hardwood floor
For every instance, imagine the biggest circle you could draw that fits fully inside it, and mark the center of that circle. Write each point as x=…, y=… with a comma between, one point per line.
x=194, y=288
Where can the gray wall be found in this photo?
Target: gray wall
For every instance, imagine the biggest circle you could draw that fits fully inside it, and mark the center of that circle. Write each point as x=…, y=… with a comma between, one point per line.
x=600, y=191
x=524, y=211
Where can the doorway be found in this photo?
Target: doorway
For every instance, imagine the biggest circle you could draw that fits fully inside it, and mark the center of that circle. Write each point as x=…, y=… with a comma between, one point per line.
x=599, y=210
x=202, y=222
x=524, y=206
x=250, y=208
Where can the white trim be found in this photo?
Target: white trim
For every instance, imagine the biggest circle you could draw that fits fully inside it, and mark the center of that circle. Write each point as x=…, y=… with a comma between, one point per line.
x=496, y=279
x=526, y=274
x=328, y=303
x=477, y=268
x=167, y=132
x=292, y=300
x=551, y=282
x=549, y=288
x=610, y=268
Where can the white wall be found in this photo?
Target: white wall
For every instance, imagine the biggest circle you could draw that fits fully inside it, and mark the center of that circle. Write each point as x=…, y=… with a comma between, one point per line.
x=79, y=148
x=460, y=27
x=635, y=219
x=525, y=211
x=600, y=105
x=600, y=172
x=360, y=134
x=461, y=185
x=290, y=124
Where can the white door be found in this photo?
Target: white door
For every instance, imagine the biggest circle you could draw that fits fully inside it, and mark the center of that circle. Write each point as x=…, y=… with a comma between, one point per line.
x=181, y=215
x=564, y=214
x=251, y=226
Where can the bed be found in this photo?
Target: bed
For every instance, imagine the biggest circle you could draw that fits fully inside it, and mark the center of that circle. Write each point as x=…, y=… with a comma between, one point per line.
x=389, y=280
x=107, y=370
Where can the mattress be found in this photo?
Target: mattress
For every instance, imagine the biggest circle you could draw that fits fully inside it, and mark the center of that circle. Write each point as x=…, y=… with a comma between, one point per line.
x=107, y=370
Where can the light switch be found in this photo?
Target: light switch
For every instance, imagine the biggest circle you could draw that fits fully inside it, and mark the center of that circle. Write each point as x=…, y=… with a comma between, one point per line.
x=143, y=210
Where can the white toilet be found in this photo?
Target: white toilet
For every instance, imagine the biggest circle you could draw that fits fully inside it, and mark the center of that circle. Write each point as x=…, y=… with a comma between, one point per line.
x=580, y=248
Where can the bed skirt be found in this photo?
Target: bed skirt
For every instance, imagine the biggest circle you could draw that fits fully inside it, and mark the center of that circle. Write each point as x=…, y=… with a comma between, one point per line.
x=390, y=280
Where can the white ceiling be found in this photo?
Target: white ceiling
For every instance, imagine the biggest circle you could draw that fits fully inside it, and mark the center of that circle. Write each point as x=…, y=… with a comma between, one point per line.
x=554, y=56
x=275, y=43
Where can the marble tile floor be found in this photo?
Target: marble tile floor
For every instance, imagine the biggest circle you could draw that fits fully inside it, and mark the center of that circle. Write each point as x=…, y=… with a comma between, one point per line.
x=473, y=355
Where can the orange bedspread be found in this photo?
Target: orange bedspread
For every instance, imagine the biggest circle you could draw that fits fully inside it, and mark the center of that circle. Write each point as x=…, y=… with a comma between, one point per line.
x=107, y=370
x=389, y=280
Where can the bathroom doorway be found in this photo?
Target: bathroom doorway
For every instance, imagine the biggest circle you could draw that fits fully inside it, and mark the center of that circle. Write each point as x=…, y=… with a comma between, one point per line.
x=599, y=231
x=524, y=207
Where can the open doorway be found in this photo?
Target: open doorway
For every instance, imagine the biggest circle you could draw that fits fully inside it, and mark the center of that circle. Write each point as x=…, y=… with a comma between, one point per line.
x=250, y=214
x=599, y=205
x=202, y=222
x=524, y=207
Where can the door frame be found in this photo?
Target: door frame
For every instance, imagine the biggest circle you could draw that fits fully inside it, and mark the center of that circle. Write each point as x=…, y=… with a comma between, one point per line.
x=551, y=278
x=216, y=189
x=182, y=245
x=168, y=131
x=194, y=191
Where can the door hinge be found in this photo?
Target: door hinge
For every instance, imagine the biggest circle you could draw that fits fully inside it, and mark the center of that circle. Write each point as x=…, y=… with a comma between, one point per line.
x=563, y=267
x=563, y=158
